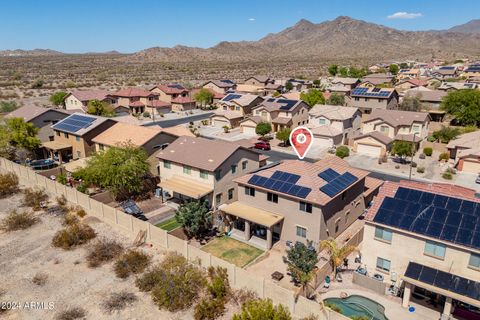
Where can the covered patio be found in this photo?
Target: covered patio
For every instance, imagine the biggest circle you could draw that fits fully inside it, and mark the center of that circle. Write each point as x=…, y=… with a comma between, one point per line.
x=62, y=150
x=255, y=226
x=185, y=189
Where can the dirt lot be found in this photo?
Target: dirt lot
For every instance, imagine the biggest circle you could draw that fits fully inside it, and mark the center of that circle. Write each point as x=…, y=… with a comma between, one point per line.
x=70, y=282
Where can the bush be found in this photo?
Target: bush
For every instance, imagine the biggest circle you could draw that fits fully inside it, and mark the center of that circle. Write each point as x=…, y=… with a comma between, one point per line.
x=8, y=184
x=40, y=278
x=146, y=114
x=34, y=198
x=342, y=152
x=61, y=201
x=443, y=156
x=428, y=151
x=70, y=219
x=333, y=307
x=119, y=300
x=73, y=235
x=82, y=188
x=209, y=309
x=62, y=178
x=18, y=221
x=218, y=285
x=431, y=139
x=242, y=296
x=447, y=175
x=72, y=314
x=81, y=213
x=451, y=170
x=262, y=309
x=413, y=164
x=131, y=262
x=102, y=252
x=422, y=156
x=421, y=169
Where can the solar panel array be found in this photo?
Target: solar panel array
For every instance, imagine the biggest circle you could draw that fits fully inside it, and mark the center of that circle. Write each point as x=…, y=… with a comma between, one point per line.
x=74, y=123
x=376, y=92
x=231, y=97
x=283, y=182
x=473, y=68
x=443, y=280
x=437, y=216
x=447, y=68
x=176, y=86
x=288, y=104
x=227, y=81
x=336, y=182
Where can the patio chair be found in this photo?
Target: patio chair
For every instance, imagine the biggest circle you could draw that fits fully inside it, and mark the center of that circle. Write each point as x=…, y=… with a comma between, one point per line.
x=326, y=283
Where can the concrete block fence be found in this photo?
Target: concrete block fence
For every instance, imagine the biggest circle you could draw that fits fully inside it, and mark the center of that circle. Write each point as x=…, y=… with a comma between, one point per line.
x=238, y=277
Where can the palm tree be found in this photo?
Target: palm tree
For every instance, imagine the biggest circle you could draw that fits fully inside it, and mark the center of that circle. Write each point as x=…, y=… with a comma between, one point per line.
x=304, y=279
x=336, y=253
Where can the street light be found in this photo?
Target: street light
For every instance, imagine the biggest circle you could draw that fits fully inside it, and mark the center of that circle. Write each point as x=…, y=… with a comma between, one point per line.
x=411, y=160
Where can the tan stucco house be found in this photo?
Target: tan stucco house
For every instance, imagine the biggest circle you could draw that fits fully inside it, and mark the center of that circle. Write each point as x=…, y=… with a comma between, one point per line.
x=79, y=99
x=282, y=113
x=367, y=99
x=137, y=100
x=238, y=102
x=465, y=151
x=221, y=86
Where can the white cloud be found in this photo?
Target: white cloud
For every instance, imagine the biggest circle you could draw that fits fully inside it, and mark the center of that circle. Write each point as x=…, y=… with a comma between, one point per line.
x=404, y=15
x=251, y=19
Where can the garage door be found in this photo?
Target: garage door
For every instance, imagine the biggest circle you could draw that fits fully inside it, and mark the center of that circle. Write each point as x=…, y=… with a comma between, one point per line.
x=220, y=123
x=248, y=130
x=471, y=166
x=370, y=150
x=322, y=142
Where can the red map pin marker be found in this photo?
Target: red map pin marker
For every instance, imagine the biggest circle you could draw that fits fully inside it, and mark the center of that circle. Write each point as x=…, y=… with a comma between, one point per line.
x=301, y=139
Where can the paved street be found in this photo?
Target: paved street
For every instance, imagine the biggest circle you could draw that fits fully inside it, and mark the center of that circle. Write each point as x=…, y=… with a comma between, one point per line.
x=179, y=121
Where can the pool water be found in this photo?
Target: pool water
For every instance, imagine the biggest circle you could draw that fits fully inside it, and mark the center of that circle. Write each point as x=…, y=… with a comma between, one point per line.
x=356, y=305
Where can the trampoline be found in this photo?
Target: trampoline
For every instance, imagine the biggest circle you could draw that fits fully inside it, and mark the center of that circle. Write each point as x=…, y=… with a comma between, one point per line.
x=42, y=164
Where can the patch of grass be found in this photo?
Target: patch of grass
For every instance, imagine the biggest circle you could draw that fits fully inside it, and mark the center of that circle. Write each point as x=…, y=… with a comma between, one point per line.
x=233, y=251
x=72, y=314
x=119, y=300
x=18, y=221
x=8, y=184
x=40, y=279
x=131, y=262
x=73, y=235
x=102, y=252
x=169, y=225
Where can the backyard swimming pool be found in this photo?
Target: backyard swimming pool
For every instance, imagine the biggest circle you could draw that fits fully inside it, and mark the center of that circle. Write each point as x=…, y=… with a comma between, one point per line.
x=356, y=305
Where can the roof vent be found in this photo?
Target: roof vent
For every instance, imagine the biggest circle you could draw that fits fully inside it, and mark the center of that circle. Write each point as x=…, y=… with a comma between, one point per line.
x=210, y=160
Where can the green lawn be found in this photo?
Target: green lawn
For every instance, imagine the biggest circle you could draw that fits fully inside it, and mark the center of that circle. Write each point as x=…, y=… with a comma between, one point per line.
x=233, y=251
x=169, y=224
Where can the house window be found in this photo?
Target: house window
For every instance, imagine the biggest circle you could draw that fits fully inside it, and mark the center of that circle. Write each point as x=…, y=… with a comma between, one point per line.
x=383, y=264
x=379, y=100
x=272, y=197
x=218, y=175
x=77, y=138
x=249, y=191
x=344, y=194
x=218, y=199
x=230, y=194
x=264, y=114
x=224, y=107
x=167, y=164
x=187, y=169
x=58, y=133
x=237, y=108
x=416, y=129
x=383, y=234
x=234, y=168
x=203, y=174
x=357, y=99
x=79, y=154
x=306, y=207
x=435, y=249
x=321, y=121
x=301, y=232
x=337, y=226
x=101, y=147
x=347, y=215
x=384, y=129
x=474, y=261
x=244, y=165
x=65, y=135
x=257, y=112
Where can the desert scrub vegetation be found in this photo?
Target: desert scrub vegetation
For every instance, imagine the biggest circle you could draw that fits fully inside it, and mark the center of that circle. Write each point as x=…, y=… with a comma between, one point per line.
x=73, y=235
x=212, y=305
x=262, y=309
x=72, y=313
x=103, y=251
x=34, y=198
x=18, y=221
x=131, y=262
x=70, y=219
x=8, y=184
x=40, y=279
x=119, y=300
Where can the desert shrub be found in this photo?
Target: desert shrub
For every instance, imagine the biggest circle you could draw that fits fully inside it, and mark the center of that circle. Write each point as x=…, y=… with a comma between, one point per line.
x=422, y=156
x=443, y=156
x=428, y=151
x=451, y=170
x=70, y=219
x=414, y=164
x=72, y=236
x=71, y=314
x=18, y=221
x=342, y=152
x=447, y=175
x=40, y=278
x=218, y=285
x=131, y=262
x=213, y=306
x=82, y=188
x=81, y=213
x=310, y=317
x=209, y=309
x=103, y=251
x=61, y=200
x=241, y=296
x=34, y=198
x=397, y=166
x=146, y=114
x=431, y=139
x=119, y=300
x=8, y=184
x=262, y=309
x=332, y=306
x=420, y=169
x=62, y=178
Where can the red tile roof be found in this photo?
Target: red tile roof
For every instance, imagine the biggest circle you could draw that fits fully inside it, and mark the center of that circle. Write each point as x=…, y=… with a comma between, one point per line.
x=87, y=95
x=158, y=104
x=133, y=92
x=182, y=100
x=389, y=189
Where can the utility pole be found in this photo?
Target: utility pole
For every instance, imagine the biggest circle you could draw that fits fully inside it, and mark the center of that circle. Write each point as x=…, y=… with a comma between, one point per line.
x=411, y=160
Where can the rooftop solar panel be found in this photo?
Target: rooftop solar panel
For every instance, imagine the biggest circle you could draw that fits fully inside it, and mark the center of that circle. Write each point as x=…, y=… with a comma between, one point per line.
x=74, y=123
x=283, y=182
x=231, y=97
x=328, y=175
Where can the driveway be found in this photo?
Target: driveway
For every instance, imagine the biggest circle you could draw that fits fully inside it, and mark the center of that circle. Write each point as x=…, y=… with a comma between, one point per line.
x=179, y=121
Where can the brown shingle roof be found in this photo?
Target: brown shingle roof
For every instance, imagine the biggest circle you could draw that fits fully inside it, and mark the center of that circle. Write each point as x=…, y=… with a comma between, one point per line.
x=467, y=140
x=398, y=117
x=87, y=95
x=171, y=88
x=182, y=100
x=28, y=113
x=333, y=112
x=123, y=132
x=429, y=96
x=377, y=136
x=133, y=92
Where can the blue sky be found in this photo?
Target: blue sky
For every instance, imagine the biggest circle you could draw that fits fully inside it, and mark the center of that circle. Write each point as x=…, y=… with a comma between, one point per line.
x=128, y=26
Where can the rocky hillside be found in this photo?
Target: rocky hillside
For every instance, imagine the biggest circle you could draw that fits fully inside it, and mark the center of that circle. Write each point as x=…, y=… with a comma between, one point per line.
x=472, y=26
x=29, y=53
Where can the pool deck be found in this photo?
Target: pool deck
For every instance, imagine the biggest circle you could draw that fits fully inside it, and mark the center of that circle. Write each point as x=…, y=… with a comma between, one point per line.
x=393, y=305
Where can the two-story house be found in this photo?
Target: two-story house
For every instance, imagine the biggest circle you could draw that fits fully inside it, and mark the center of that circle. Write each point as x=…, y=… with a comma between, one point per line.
x=392, y=125
x=137, y=100
x=73, y=136
x=281, y=113
x=259, y=81
x=222, y=86
x=342, y=85
x=203, y=169
x=296, y=201
x=465, y=151
x=424, y=239
x=79, y=99
x=232, y=108
x=376, y=79
x=332, y=125
x=175, y=94
x=408, y=74
x=367, y=99
x=444, y=72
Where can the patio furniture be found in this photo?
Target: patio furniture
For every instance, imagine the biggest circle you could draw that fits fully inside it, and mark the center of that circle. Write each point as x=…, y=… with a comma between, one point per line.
x=277, y=276
x=338, y=277
x=326, y=283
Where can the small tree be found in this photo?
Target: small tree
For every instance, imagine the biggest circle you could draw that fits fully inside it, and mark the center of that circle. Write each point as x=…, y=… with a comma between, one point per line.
x=342, y=152
x=284, y=135
x=393, y=69
x=464, y=105
x=204, y=97
x=58, y=97
x=262, y=310
x=428, y=151
x=288, y=86
x=410, y=103
x=100, y=108
x=8, y=106
x=313, y=97
x=316, y=82
x=263, y=128
x=336, y=99
x=333, y=70
x=445, y=134
x=343, y=71
x=195, y=218
x=336, y=253
x=301, y=261
x=22, y=134
x=403, y=148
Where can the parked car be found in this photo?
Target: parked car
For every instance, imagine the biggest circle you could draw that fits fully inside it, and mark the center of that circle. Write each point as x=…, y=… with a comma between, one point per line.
x=262, y=145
